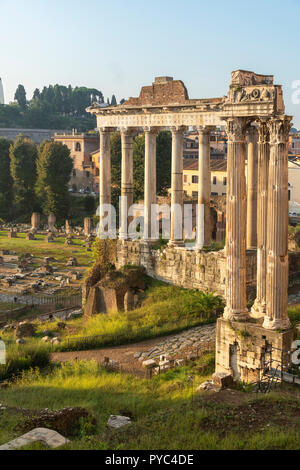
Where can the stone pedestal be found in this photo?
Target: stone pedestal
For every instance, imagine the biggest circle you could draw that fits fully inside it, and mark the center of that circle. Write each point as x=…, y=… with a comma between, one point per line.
x=51, y=223
x=87, y=226
x=35, y=221
x=241, y=348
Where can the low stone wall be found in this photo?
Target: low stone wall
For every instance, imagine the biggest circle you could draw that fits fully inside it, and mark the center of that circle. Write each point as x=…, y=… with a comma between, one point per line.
x=193, y=269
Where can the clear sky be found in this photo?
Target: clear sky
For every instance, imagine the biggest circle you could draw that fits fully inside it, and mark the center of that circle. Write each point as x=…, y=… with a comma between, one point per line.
x=119, y=45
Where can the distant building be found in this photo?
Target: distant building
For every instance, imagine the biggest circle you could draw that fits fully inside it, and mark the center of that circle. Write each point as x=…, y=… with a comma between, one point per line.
x=36, y=135
x=218, y=177
x=1, y=92
x=81, y=146
x=218, y=145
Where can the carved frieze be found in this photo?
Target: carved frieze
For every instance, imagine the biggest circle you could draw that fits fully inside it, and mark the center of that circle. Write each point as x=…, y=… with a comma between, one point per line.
x=251, y=94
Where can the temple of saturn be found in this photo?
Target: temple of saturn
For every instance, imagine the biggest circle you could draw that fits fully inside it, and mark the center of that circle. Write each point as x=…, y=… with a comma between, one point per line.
x=256, y=213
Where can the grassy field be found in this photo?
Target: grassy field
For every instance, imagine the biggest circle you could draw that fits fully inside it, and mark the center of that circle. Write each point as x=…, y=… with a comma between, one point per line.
x=40, y=249
x=164, y=309
x=166, y=411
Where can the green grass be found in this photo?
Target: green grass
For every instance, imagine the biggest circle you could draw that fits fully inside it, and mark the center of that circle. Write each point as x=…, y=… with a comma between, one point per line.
x=164, y=309
x=166, y=411
x=40, y=249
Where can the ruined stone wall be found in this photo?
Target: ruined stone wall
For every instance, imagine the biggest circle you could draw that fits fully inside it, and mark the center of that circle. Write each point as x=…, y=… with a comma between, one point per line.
x=188, y=268
x=182, y=267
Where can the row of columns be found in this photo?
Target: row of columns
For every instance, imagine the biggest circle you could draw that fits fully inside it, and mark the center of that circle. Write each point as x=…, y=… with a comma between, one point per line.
x=270, y=211
x=176, y=236
x=261, y=223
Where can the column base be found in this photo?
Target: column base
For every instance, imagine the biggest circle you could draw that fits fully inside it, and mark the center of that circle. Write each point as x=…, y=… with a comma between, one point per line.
x=236, y=315
x=258, y=309
x=276, y=324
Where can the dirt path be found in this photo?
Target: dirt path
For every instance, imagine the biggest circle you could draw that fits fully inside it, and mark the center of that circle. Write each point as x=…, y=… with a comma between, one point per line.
x=122, y=354
x=132, y=355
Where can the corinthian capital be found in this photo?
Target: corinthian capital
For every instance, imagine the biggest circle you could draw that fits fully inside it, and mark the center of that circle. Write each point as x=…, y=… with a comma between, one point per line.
x=236, y=129
x=263, y=131
x=279, y=129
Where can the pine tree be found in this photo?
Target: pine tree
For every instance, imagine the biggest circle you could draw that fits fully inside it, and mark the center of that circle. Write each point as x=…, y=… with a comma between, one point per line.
x=20, y=97
x=113, y=101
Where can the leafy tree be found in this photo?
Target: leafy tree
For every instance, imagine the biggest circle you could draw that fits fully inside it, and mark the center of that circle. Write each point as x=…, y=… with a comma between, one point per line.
x=23, y=155
x=113, y=101
x=6, y=182
x=20, y=97
x=54, y=167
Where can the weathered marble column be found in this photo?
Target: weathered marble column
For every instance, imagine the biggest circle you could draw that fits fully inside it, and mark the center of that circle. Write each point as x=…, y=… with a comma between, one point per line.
x=252, y=188
x=204, y=223
x=276, y=316
x=105, y=167
x=177, y=187
x=236, y=307
x=150, y=180
x=259, y=308
x=126, y=181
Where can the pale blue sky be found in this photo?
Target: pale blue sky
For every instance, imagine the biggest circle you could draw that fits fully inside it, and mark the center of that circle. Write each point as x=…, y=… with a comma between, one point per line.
x=119, y=45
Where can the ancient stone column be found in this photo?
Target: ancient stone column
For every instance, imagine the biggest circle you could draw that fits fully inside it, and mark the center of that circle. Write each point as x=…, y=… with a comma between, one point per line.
x=51, y=223
x=177, y=187
x=259, y=308
x=252, y=188
x=105, y=167
x=35, y=221
x=276, y=316
x=126, y=181
x=204, y=218
x=236, y=307
x=150, y=179
x=87, y=226
x=104, y=174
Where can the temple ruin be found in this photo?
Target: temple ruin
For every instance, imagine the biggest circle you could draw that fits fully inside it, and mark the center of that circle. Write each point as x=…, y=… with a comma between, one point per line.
x=257, y=215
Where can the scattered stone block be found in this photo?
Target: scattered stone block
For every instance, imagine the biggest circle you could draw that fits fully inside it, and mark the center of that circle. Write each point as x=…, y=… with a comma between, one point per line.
x=117, y=422
x=24, y=330
x=149, y=364
x=30, y=236
x=223, y=380
x=47, y=437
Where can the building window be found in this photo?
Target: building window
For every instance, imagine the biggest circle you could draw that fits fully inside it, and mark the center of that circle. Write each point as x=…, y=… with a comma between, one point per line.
x=87, y=174
x=214, y=180
x=214, y=194
x=78, y=147
x=224, y=181
x=195, y=194
x=195, y=179
x=185, y=178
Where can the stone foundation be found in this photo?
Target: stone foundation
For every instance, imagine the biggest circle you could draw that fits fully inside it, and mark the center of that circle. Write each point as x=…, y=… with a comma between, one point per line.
x=241, y=347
